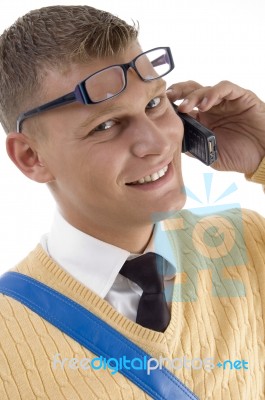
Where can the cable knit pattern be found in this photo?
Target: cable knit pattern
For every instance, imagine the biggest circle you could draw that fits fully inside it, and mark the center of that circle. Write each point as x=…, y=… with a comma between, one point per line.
x=218, y=312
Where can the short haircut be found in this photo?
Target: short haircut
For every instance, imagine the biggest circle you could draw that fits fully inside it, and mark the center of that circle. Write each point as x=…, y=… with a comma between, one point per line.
x=53, y=37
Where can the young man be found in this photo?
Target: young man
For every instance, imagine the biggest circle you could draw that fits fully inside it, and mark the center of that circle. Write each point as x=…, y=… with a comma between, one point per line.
x=109, y=150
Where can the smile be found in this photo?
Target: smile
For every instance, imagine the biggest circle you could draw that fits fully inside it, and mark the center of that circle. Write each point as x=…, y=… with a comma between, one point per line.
x=151, y=178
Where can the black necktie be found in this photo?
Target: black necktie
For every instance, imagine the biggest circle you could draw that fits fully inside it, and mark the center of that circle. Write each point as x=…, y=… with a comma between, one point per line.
x=147, y=272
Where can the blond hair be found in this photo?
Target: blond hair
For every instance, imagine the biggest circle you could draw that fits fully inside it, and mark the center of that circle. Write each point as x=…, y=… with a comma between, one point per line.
x=51, y=37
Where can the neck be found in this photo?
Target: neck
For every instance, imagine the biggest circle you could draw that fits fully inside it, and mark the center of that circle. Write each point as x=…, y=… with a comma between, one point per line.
x=131, y=238
x=134, y=242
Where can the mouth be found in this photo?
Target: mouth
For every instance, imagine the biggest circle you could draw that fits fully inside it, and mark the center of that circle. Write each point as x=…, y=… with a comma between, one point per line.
x=149, y=179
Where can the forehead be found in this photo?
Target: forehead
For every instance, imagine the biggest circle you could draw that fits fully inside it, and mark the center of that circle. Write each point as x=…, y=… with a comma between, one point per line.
x=58, y=82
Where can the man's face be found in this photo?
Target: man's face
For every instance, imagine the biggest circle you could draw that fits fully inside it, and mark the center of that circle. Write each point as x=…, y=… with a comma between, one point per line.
x=99, y=155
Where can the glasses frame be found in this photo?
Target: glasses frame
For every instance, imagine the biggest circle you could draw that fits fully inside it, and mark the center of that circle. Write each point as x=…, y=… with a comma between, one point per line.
x=81, y=95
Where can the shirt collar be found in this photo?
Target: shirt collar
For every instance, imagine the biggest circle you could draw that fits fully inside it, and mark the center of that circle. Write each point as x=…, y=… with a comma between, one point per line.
x=91, y=261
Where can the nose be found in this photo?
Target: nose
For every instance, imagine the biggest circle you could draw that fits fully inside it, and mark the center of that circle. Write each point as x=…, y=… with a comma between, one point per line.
x=147, y=138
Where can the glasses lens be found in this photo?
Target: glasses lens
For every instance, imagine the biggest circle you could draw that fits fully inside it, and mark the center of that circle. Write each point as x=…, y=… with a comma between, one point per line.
x=153, y=64
x=105, y=84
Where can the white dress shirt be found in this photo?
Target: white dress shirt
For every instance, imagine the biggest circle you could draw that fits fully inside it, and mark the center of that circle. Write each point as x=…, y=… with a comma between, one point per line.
x=96, y=264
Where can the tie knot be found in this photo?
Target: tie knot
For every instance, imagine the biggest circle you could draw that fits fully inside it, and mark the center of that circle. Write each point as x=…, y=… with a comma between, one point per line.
x=146, y=271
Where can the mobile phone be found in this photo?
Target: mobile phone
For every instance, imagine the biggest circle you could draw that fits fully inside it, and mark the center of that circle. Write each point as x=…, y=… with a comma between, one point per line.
x=198, y=140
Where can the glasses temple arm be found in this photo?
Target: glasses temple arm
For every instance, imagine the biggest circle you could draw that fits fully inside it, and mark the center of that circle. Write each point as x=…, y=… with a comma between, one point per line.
x=66, y=99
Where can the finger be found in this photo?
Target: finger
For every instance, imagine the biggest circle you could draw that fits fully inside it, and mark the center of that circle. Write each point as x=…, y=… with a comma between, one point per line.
x=180, y=90
x=208, y=97
x=198, y=98
x=224, y=90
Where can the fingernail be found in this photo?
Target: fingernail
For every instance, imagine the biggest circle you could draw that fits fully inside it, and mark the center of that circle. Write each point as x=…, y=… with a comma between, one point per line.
x=169, y=91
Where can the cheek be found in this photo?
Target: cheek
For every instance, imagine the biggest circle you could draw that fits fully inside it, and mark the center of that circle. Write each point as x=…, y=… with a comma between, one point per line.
x=173, y=122
x=180, y=125
x=99, y=166
x=175, y=127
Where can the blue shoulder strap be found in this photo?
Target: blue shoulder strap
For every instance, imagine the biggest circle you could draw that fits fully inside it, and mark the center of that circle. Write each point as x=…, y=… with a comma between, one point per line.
x=92, y=333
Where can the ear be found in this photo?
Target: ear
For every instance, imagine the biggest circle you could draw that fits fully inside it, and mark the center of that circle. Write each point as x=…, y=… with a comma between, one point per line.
x=22, y=152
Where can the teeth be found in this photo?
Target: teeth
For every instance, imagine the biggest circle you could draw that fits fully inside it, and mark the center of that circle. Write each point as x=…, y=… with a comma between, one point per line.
x=153, y=177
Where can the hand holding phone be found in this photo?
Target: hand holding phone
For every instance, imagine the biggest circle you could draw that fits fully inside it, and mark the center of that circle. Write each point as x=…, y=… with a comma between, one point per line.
x=198, y=140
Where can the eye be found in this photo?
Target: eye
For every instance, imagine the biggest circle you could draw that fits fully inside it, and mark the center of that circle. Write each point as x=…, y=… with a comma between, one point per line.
x=104, y=126
x=153, y=103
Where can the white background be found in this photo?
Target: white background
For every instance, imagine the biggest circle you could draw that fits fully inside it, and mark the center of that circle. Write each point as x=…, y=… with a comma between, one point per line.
x=211, y=40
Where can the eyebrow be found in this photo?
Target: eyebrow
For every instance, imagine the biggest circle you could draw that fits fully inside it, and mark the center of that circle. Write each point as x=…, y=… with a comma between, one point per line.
x=161, y=84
